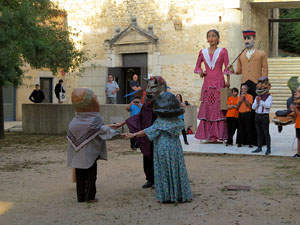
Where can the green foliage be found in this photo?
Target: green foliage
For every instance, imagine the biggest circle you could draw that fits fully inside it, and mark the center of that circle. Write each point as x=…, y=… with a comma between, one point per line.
x=289, y=32
x=30, y=33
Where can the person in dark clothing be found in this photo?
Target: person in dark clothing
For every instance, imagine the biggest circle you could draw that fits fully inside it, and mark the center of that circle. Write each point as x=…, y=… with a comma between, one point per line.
x=37, y=96
x=145, y=119
x=179, y=97
x=59, y=88
x=134, y=85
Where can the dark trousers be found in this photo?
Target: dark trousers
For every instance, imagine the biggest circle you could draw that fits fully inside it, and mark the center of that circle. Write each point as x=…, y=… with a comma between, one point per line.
x=86, y=183
x=232, y=125
x=244, y=135
x=184, y=135
x=148, y=168
x=262, y=122
x=252, y=91
x=134, y=143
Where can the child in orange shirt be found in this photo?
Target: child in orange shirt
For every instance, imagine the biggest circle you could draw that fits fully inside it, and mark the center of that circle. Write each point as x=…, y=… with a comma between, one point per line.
x=244, y=134
x=297, y=125
x=232, y=115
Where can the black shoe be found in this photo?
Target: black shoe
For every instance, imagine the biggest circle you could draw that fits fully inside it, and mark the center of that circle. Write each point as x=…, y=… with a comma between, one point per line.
x=239, y=145
x=250, y=146
x=268, y=152
x=257, y=150
x=296, y=156
x=185, y=142
x=148, y=184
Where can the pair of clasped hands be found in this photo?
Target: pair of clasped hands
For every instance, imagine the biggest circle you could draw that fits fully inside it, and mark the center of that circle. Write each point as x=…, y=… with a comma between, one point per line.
x=116, y=126
x=227, y=84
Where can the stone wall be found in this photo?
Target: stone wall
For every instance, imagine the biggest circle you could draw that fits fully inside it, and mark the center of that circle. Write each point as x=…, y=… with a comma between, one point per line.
x=55, y=118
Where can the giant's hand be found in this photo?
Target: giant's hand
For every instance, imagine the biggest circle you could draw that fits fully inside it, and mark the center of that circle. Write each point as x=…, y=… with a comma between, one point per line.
x=230, y=68
x=227, y=84
x=202, y=74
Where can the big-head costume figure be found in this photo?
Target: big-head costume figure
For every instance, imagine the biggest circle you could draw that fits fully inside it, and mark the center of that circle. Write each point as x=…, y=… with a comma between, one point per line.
x=252, y=63
x=86, y=137
x=155, y=86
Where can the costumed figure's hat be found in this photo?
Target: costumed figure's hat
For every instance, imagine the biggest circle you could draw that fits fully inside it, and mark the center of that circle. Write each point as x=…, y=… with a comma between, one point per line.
x=263, y=79
x=167, y=105
x=249, y=33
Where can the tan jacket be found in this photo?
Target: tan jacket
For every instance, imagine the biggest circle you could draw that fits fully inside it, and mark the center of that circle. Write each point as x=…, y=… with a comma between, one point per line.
x=254, y=68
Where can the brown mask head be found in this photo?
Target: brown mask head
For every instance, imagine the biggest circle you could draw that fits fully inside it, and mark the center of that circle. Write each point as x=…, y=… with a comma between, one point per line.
x=84, y=100
x=263, y=86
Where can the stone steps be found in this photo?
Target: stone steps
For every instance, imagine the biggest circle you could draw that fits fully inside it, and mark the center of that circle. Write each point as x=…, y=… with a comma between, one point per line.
x=280, y=70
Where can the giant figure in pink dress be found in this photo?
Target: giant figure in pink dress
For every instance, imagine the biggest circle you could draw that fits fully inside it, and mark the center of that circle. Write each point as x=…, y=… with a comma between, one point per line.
x=212, y=125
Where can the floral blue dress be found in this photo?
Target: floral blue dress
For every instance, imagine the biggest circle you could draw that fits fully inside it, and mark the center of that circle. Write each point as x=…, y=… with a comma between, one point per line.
x=170, y=175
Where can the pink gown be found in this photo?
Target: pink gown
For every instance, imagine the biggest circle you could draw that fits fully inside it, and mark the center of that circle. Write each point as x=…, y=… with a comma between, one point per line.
x=212, y=119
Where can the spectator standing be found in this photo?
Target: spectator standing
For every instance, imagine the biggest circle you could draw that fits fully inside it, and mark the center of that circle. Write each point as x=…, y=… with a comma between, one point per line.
x=296, y=110
x=59, y=90
x=232, y=115
x=244, y=135
x=111, y=90
x=134, y=85
x=179, y=97
x=37, y=95
x=134, y=108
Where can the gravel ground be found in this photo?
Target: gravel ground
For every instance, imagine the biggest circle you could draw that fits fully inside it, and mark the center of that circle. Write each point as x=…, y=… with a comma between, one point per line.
x=36, y=188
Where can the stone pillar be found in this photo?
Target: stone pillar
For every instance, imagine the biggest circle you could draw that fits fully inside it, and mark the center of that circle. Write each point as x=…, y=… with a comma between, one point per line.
x=275, y=33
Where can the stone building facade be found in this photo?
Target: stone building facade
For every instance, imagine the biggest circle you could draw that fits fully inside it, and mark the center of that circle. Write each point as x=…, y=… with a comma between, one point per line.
x=151, y=37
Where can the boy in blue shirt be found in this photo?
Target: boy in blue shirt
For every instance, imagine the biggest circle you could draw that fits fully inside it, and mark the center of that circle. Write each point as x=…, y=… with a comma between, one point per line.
x=134, y=108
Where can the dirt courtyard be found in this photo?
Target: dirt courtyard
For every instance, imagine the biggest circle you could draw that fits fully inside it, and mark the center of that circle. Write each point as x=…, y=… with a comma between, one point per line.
x=36, y=188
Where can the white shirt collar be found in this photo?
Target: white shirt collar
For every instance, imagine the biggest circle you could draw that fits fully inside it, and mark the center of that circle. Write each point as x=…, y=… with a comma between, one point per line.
x=249, y=53
x=211, y=63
